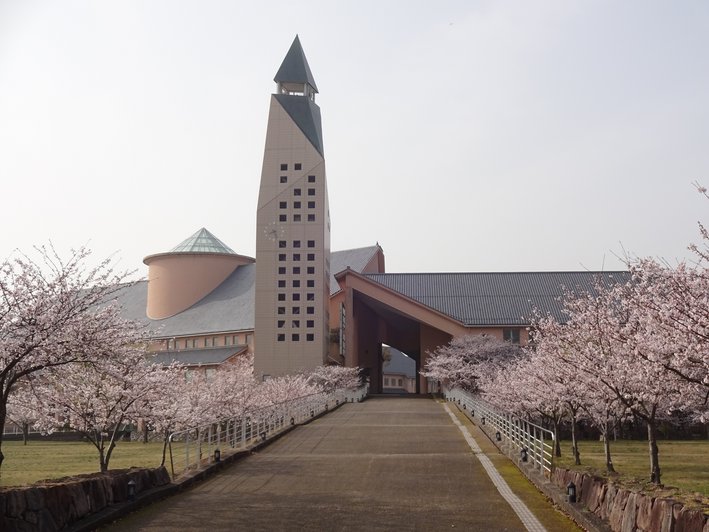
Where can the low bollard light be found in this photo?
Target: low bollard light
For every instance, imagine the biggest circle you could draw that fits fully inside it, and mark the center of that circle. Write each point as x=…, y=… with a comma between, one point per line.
x=263, y=436
x=483, y=420
x=523, y=454
x=217, y=455
x=131, y=490
x=571, y=491
x=498, y=436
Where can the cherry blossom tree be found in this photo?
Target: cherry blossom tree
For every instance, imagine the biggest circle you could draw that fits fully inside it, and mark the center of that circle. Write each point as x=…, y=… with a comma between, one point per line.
x=50, y=315
x=330, y=378
x=101, y=398
x=468, y=360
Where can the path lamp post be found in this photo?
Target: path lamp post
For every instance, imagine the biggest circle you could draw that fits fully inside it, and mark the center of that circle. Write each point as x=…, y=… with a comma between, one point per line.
x=523, y=454
x=571, y=491
x=483, y=420
x=131, y=490
x=498, y=436
x=217, y=455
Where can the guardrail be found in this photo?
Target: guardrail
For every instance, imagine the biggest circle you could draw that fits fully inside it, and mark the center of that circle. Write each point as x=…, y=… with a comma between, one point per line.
x=532, y=443
x=198, y=446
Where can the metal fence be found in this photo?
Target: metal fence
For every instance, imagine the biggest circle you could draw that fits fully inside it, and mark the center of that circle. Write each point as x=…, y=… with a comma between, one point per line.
x=532, y=443
x=198, y=446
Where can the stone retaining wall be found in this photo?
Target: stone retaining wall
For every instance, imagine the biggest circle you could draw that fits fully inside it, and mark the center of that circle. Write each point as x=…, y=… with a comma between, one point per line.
x=628, y=511
x=54, y=505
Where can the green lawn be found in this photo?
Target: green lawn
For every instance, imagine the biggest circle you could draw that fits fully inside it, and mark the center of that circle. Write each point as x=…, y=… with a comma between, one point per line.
x=40, y=460
x=683, y=464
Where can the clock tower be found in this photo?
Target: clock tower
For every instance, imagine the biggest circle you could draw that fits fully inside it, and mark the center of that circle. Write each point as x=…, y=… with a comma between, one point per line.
x=292, y=229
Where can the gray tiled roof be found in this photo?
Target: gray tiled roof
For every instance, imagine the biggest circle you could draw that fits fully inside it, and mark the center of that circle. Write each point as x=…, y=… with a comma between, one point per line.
x=295, y=68
x=229, y=307
x=306, y=115
x=357, y=259
x=197, y=357
x=497, y=299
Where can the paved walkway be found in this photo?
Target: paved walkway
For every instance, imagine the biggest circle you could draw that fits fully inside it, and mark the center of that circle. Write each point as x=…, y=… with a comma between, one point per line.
x=384, y=464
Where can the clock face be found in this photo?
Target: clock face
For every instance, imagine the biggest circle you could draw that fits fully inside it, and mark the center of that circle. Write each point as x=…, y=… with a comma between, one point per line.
x=274, y=231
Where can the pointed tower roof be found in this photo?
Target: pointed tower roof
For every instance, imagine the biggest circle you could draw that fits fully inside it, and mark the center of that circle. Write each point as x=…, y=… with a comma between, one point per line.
x=202, y=242
x=295, y=68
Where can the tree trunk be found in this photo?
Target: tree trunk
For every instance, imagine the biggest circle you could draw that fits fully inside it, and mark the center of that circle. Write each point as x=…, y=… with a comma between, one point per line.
x=607, y=448
x=145, y=433
x=654, y=452
x=164, y=447
x=3, y=418
x=557, y=446
x=25, y=432
x=574, y=442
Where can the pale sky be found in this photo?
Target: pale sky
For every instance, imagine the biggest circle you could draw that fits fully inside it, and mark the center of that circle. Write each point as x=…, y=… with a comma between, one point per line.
x=460, y=135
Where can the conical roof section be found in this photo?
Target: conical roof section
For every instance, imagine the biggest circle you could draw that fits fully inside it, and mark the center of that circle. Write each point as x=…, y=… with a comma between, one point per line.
x=295, y=68
x=202, y=242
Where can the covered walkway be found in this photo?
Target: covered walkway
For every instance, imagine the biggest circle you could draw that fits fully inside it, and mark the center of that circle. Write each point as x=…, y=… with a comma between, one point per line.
x=384, y=464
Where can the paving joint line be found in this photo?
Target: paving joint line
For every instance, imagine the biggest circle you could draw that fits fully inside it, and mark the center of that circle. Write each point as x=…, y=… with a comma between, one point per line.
x=528, y=519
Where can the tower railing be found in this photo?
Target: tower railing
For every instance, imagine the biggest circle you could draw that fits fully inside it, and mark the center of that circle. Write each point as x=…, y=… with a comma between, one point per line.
x=196, y=447
x=529, y=442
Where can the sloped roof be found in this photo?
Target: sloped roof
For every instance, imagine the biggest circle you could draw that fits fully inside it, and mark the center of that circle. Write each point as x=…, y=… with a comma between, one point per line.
x=494, y=299
x=197, y=357
x=202, y=242
x=295, y=68
x=229, y=307
x=306, y=114
x=356, y=259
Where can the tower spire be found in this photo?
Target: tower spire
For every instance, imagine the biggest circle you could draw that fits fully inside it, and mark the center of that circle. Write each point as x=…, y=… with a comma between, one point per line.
x=294, y=75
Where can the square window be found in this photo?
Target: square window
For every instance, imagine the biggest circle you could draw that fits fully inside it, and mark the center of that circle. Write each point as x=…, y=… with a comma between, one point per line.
x=284, y=179
x=295, y=324
x=311, y=192
x=311, y=310
x=281, y=257
x=311, y=256
x=281, y=297
x=296, y=243
x=298, y=166
x=281, y=243
x=311, y=205
x=310, y=337
x=311, y=243
x=296, y=297
x=296, y=192
x=310, y=324
x=281, y=323
x=296, y=283
x=511, y=335
x=283, y=205
x=281, y=310
x=296, y=205
x=281, y=283
x=311, y=217
x=296, y=256
x=296, y=310
x=311, y=270
x=296, y=217
x=284, y=166
x=311, y=283
x=311, y=179
x=296, y=270
x=311, y=296
x=282, y=270
x=281, y=337
x=282, y=217
x=295, y=337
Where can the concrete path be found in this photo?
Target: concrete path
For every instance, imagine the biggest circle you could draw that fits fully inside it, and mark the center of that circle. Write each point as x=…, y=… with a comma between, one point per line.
x=384, y=464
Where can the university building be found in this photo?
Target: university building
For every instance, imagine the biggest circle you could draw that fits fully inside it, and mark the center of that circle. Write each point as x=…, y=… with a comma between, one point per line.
x=298, y=304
